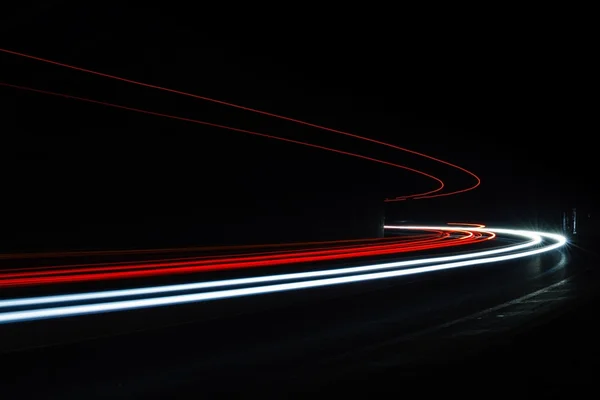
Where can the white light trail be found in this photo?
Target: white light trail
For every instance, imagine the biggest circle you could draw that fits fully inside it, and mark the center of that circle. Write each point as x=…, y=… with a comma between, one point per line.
x=534, y=239
x=447, y=262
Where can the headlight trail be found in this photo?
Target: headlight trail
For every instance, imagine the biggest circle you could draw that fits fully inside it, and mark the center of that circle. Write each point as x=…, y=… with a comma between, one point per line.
x=535, y=243
x=429, y=194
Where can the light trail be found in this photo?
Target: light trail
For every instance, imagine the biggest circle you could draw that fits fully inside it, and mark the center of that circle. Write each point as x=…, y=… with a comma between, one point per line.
x=467, y=224
x=264, y=135
x=93, y=253
x=533, y=245
x=66, y=305
x=223, y=252
x=424, y=195
x=54, y=275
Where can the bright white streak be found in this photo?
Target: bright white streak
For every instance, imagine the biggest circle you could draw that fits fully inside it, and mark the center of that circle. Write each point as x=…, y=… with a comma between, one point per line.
x=534, y=237
x=66, y=311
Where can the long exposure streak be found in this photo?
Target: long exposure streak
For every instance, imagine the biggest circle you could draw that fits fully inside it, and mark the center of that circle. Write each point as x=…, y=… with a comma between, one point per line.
x=425, y=195
x=15, y=256
x=44, y=307
x=440, y=183
x=285, y=266
x=80, y=273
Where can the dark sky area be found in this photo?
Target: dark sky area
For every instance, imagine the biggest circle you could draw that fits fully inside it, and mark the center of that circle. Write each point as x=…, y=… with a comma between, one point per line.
x=506, y=106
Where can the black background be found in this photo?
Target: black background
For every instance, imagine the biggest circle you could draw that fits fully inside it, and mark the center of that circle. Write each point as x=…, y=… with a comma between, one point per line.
x=505, y=99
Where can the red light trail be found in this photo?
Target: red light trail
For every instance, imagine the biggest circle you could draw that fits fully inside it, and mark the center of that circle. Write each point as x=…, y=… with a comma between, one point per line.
x=91, y=272
x=156, y=114
x=425, y=195
x=225, y=251
x=57, y=254
x=13, y=310
x=307, y=256
x=187, y=265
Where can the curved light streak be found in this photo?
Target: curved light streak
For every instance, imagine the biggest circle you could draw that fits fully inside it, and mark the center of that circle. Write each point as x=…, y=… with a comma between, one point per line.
x=402, y=241
x=466, y=224
x=78, y=273
x=308, y=280
x=264, y=135
x=426, y=195
x=88, y=253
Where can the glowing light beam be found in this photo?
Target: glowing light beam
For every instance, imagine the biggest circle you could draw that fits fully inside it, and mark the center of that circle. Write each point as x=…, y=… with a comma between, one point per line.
x=350, y=275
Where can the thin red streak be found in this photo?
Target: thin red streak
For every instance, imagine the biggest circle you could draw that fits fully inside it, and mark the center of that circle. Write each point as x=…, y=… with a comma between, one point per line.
x=348, y=251
x=15, y=256
x=439, y=236
x=151, y=269
x=441, y=184
x=216, y=257
x=195, y=269
x=468, y=235
x=467, y=224
x=420, y=196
